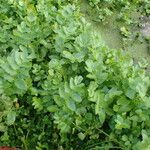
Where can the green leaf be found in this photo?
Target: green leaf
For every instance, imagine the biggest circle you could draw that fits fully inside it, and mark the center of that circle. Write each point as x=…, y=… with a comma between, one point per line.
x=142, y=89
x=52, y=108
x=81, y=136
x=92, y=87
x=76, y=97
x=37, y=103
x=3, y=128
x=78, y=80
x=11, y=117
x=20, y=83
x=12, y=62
x=17, y=58
x=97, y=106
x=130, y=93
x=58, y=100
x=102, y=116
x=146, y=100
x=8, y=69
x=71, y=105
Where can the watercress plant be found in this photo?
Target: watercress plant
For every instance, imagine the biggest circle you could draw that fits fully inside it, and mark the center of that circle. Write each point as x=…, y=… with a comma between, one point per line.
x=62, y=88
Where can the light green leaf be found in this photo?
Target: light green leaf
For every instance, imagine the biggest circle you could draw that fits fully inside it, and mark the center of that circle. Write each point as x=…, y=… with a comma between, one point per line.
x=76, y=97
x=37, y=103
x=17, y=58
x=102, y=115
x=20, y=83
x=3, y=128
x=71, y=105
x=81, y=136
x=12, y=62
x=130, y=93
x=52, y=108
x=97, y=106
x=11, y=117
x=8, y=69
x=58, y=100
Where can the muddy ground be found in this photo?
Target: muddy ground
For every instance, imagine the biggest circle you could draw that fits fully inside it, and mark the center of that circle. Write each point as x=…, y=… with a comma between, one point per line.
x=111, y=35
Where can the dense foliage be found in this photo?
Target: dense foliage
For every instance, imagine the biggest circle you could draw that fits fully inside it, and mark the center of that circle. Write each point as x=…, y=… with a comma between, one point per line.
x=62, y=88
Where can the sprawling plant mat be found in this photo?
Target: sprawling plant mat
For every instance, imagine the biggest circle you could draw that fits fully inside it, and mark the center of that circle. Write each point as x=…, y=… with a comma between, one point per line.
x=62, y=88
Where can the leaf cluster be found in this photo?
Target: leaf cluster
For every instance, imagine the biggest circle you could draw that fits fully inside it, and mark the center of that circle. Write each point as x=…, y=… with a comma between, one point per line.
x=62, y=88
